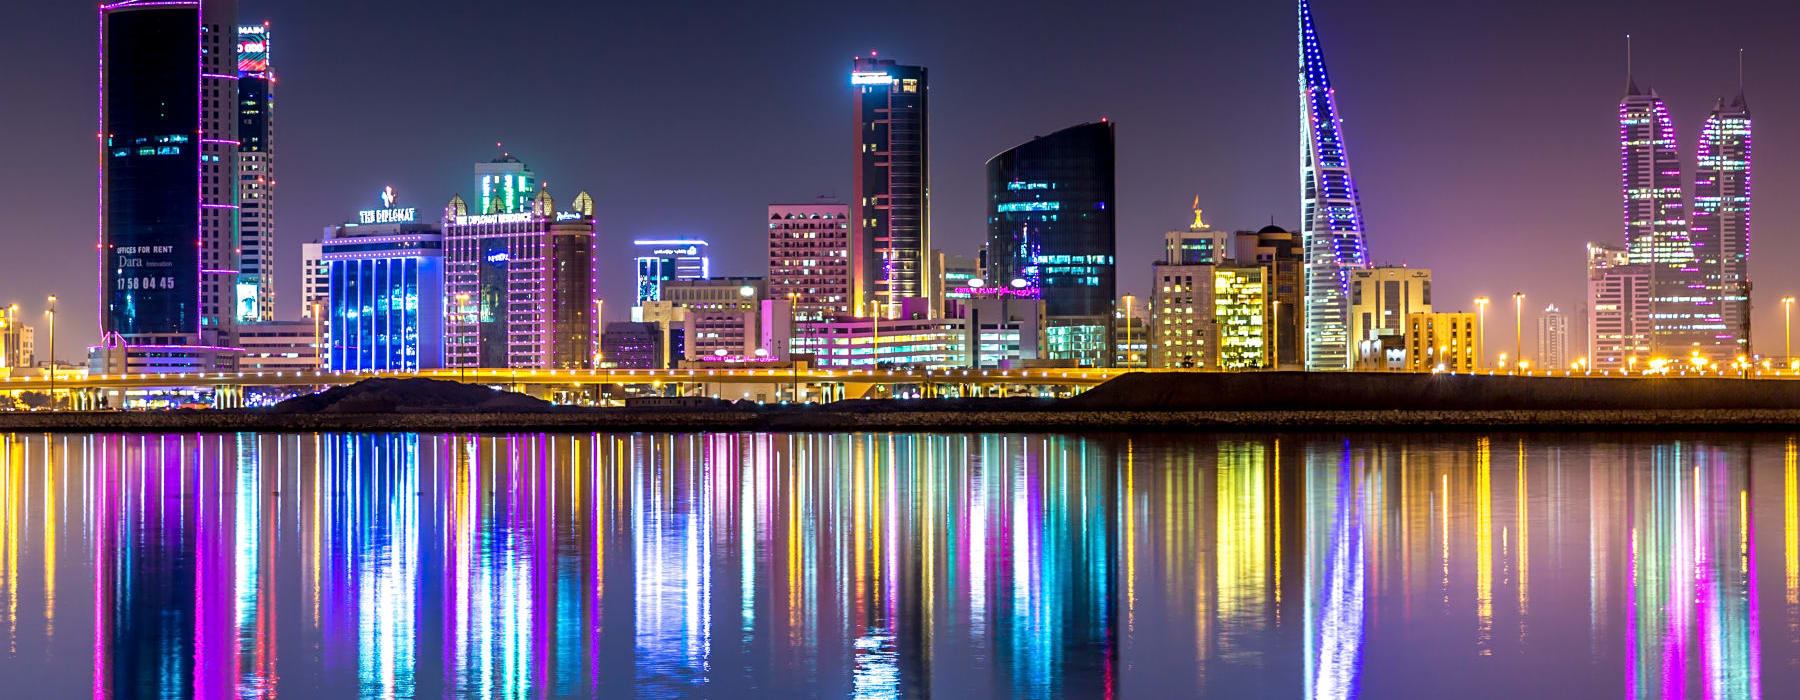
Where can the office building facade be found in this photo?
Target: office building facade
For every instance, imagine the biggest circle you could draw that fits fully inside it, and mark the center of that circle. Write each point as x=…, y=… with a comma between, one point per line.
x=18, y=340
x=1721, y=223
x=279, y=346
x=1240, y=316
x=891, y=215
x=1553, y=339
x=632, y=345
x=169, y=170
x=1183, y=330
x=1200, y=244
x=1331, y=225
x=315, y=277
x=662, y=261
x=1619, y=305
x=520, y=286
x=1281, y=252
x=1381, y=299
x=1445, y=342
x=386, y=297
x=256, y=175
x=1051, y=229
x=809, y=258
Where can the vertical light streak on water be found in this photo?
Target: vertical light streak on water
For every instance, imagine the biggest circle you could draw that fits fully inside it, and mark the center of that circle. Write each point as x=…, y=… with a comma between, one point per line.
x=1241, y=545
x=747, y=502
x=981, y=480
x=247, y=538
x=1790, y=507
x=1335, y=606
x=1484, y=547
x=51, y=474
x=1524, y=550
x=1632, y=641
x=387, y=571
x=12, y=512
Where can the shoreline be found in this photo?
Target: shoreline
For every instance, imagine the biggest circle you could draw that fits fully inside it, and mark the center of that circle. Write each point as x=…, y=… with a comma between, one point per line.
x=905, y=420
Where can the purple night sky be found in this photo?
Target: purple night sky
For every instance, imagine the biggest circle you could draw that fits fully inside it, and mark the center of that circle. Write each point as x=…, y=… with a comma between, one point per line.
x=1483, y=136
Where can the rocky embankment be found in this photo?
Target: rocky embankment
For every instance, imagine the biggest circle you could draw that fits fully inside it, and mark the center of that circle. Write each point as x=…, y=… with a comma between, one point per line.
x=1136, y=402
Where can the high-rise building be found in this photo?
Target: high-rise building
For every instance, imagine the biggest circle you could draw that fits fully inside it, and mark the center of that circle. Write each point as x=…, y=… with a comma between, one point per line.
x=385, y=308
x=1619, y=309
x=1199, y=244
x=1553, y=339
x=1240, y=316
x=315, y=277
x=256, y=174
x=891, y=215
x=504, y=185
x=1656, y=225
x=1721, y=226
x=662, y=261
x=1381, y=299
x=520, y=286
x=1051, y=228
x=809, y=258
x=169, y=182
x=1275, y=248
x=1331, y=223
x=1442, y=341
x=1183, y=330
x=17, y=340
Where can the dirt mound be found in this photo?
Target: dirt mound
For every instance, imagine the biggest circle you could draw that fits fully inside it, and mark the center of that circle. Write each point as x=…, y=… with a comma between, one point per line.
x=413, y=396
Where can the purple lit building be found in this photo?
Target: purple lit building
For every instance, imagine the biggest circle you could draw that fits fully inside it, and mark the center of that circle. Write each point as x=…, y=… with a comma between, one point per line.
x=168, y=182
x=1721, y=226
x=1656, y=226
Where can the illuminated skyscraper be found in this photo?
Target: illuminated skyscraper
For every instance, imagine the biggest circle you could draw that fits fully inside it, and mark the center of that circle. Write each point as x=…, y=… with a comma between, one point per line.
x=1656, y=226
x=661, y=261
x=1051, y=229
x=256, y=174
x=1721, y=228
x=519, y=287
x=1331, y=222
x=891, y=215
x=168, y=220
x=504, y=185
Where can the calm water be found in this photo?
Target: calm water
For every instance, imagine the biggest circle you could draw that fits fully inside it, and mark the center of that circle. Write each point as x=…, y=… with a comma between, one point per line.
x=895, y=566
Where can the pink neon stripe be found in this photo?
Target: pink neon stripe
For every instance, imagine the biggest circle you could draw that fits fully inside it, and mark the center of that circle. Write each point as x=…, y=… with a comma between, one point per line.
x=218, y=76
x=160, y=3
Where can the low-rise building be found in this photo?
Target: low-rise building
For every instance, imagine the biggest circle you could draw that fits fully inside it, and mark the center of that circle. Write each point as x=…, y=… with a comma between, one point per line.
x=279, y=346
x=1442, y=342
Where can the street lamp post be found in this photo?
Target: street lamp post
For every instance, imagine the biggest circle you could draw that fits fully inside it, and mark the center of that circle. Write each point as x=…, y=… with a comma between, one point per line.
x=1128, y=302
x=1787, y=314
x=1481, y=304
x=52, y=365
x=1275, y=338
x=1518, y=325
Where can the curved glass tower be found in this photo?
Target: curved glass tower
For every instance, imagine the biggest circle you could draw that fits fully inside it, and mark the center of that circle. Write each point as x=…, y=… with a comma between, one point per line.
x=1330, y=214
x=1721, y=224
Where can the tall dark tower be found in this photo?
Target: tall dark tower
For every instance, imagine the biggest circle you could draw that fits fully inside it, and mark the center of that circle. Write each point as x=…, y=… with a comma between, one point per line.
x=256, y=168
x=1721, y=227
x=168, y=182
x=891, y=231
x=1051, y=233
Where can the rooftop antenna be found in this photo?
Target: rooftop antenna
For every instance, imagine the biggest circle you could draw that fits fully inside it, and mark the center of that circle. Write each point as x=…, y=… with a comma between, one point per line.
x=1631, y=87
x=1740, y=72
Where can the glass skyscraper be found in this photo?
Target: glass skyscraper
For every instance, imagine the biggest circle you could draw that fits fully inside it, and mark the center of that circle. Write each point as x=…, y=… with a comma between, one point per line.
x=168, y=185
x=386, y=298
x=660, y=261
x=1656, y=226
x=1721, y=226
x=1331, y=223
x=256, y=171
x=504, y=185
x=1051, y=234
x=892, y=210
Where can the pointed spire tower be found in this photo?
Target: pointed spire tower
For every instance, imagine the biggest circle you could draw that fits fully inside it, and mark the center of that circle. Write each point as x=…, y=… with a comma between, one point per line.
x=1331, y=222
x=1656, y=223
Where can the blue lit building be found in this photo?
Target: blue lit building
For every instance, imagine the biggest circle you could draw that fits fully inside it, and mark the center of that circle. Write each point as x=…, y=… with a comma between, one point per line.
x=667, y=261
x=1051, y=235
x=1331, y=223
x=386, y=300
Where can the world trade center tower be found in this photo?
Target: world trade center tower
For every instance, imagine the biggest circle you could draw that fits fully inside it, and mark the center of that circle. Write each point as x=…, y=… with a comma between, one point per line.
x=1331, y=222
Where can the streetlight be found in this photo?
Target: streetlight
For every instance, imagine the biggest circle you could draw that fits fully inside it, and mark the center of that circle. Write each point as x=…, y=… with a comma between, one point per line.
x=1481, y=304
x=1275, y=337
x=1787, y=314
x=1129, y=299
x=52, y=367
x=1518, y=325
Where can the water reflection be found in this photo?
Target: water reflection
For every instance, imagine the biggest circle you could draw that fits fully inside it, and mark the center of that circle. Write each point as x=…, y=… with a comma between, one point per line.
x=898, y=565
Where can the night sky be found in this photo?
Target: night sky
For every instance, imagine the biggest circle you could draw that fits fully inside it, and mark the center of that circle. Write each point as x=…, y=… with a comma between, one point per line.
x=1483, y=135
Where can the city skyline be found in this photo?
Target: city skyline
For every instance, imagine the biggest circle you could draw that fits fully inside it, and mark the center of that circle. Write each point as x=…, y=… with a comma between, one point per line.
x=1152, y=134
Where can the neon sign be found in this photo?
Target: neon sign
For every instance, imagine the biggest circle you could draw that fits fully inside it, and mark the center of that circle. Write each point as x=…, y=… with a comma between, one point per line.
x=870, y=78
x=485, y=219
x=1028, y=206
x=387, y=216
